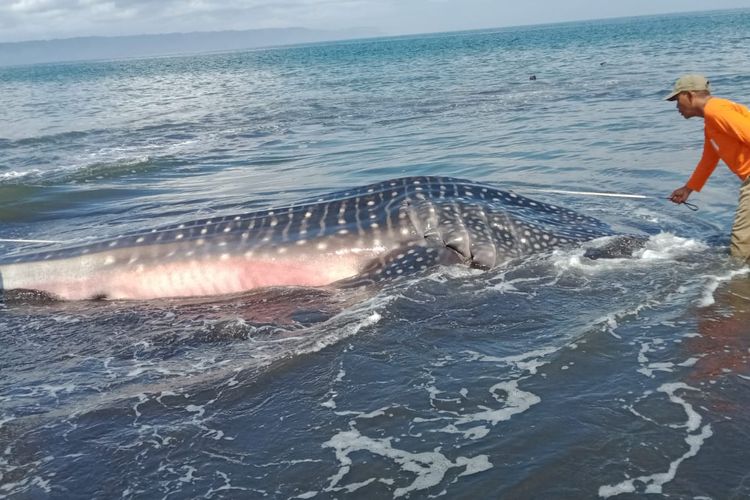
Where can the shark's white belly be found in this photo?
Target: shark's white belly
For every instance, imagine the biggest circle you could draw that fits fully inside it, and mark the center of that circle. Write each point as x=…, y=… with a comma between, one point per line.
x=84, y=277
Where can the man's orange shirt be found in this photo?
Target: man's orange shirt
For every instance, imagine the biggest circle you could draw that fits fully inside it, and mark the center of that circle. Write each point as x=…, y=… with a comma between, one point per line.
x=727, y=129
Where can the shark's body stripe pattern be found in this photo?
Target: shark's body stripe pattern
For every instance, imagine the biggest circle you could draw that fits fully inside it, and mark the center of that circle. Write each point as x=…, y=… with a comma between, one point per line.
x=368, y=233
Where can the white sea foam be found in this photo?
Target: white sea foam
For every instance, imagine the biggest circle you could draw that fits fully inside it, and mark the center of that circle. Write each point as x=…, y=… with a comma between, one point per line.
x=696, y=436
x=14, y=175
x=370, y=414
x=648, y=368
x=341, y=326
x=429, y=467
x=477, y=432
x=512, y=400
x=327, y=340
x=713, y=283
x=503, y=285
x=660, y=247
x=528, y=361
x=332, y=394
x=667, y=246
x=515, y=401
x=228, y=486
x=149, y=368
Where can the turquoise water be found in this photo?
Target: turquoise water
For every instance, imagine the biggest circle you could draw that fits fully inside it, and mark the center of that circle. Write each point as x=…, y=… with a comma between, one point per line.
x=556, y=377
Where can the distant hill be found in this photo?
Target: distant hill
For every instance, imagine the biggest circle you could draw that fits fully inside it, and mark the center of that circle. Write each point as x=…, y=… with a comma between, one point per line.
x=118, y=47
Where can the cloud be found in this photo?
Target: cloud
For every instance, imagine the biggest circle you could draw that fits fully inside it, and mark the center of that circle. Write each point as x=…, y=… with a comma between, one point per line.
x=45, y=19
x=33, y=19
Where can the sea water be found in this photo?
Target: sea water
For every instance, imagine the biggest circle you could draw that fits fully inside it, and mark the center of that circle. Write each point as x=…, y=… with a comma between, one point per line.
x=553, y=377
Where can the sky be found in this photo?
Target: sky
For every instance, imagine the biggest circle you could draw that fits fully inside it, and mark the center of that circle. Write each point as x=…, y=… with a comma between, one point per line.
x=22, y=20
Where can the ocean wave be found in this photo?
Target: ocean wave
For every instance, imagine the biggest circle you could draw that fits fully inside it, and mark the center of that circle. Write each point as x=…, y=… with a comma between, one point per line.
x=81, y=173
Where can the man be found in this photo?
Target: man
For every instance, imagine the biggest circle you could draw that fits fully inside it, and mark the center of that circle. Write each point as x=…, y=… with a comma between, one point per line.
x=727, y=137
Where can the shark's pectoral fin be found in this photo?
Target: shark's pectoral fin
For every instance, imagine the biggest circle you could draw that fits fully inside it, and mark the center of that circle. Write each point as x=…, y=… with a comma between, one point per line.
x=403, y=261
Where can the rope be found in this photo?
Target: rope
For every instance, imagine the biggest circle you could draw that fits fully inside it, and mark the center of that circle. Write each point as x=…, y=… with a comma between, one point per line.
x=589, y=193
x=29, y=241
x=689, y=205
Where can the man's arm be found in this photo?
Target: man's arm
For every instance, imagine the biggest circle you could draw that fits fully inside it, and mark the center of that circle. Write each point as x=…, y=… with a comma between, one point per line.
x=705, y=167
x=702, y=172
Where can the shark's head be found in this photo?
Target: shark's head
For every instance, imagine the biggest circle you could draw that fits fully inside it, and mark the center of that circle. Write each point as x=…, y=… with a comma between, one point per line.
x=487, y=226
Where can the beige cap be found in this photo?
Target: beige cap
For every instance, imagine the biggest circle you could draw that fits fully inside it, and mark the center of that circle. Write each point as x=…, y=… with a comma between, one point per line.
x=688, y=83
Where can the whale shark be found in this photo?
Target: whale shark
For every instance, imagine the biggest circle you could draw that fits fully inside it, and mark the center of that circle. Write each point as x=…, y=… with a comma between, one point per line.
x=357, y=236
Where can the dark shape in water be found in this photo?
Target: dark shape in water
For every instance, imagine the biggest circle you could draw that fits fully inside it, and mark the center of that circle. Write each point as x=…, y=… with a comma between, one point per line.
x=365, y=234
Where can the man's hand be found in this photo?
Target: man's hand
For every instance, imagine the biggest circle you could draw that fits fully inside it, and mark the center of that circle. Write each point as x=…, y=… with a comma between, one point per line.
x=680, y=195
